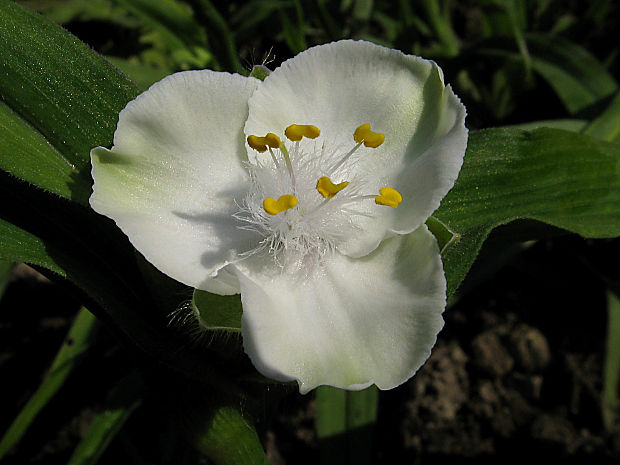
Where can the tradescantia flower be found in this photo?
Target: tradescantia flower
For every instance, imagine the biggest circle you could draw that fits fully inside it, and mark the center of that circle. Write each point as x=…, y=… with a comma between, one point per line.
x=307, y=193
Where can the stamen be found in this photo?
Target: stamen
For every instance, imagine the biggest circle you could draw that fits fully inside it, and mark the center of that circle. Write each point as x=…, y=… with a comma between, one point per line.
x=261, y=143
x=273, y=157
x=327, y=188
x=284, y=202
x=389, y=197
x=289, y=165
x=346, y=157
x=296, y=131
x=369, y=138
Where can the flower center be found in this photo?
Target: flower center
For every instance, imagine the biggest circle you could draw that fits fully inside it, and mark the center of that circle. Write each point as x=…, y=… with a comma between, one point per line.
x=299, y=200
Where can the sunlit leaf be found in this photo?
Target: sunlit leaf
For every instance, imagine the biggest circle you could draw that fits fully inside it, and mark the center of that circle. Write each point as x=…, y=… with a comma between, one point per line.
x=64, y=93
x=557, y=177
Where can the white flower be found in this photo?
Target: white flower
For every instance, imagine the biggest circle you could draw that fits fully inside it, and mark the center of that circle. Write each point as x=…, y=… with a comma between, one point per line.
x=323, y=232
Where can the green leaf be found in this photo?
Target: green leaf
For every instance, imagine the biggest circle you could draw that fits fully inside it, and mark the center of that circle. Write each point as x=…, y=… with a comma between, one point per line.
x=611, y=370
x=557, y=177
x=75, y=345
x=176, y=27
x=222, y=39
x=123, y=400
x=607, y=125
x=142, y=74
x=72, y=98
x=18, y=245
x=25, y=153
x=517, y=26
x=227, y=438
x=574, y=125
x=260, y=72
x=217, y=312
x=345, y=424
x=66, y=11
x=575, y=75
x=63, y=91
x=90, y=251
x=442, y=233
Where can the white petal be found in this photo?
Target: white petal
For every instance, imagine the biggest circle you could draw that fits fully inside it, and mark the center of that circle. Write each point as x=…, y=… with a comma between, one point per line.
x=349, y=323
x=342, y=85
x=176, y=169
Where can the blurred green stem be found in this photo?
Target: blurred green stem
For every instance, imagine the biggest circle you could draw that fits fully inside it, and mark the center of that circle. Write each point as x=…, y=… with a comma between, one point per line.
x=611, y=371
x=77, y=342
x=441, y=25
x=345, y=423
x=223, y=41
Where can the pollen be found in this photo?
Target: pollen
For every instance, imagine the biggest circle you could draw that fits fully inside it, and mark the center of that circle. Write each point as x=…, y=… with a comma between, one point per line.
x=261, y=143
x=370, y=138
x=284, y=202
x=295, y=132
x=327, y=188
x=389, y=197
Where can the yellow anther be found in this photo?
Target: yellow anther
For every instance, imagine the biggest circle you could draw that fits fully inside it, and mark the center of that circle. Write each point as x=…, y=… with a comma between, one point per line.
x=389, y=197
x=370, y=138
x=327, y=188
x=285, y=202
x=261, y=143
x=296, y=131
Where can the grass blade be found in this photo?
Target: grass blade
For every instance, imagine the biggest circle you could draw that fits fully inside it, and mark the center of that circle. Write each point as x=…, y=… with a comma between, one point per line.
x=611, y=370
x=77, y=342
x=123, y=400
x=607, y=125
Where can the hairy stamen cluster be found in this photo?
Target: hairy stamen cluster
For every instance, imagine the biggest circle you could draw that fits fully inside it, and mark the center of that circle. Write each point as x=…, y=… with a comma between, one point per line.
x=298, y=202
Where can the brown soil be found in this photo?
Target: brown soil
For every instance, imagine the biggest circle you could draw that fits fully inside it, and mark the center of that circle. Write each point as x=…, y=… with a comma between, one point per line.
x=516, y=373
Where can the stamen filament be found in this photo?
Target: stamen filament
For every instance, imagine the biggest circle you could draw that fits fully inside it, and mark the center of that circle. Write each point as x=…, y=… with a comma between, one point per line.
x=346, y=157
x=289, y=165
x=273, y=157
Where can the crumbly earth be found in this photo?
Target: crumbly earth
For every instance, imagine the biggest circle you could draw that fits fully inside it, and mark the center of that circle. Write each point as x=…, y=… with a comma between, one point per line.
x=516, y=373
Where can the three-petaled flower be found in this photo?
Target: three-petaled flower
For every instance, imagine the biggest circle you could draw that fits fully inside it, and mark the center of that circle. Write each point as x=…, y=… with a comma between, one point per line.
x=307, y=193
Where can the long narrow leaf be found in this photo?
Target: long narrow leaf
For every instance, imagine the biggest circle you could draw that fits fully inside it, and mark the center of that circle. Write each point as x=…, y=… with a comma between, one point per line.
x=607, y=125
x=611, y=370
x=61, y=89
x=223, y=41
x=577, y=77
x=75, y=345
x=124, y=399
x=25, y=153
x=561, y=178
